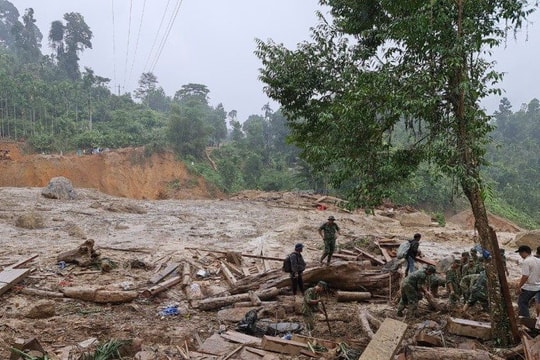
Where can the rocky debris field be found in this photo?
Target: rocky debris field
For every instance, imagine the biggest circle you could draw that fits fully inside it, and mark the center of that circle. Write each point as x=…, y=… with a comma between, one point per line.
x=139, y=239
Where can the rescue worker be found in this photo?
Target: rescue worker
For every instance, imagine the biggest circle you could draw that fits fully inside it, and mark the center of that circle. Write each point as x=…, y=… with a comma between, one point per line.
x=411, y=286
x=466, y=284
x=413, y=253
x=328, y=232
x=312, y=299
x=478, y=293
x=298, y=265
x=529, y=284
x=453, y=278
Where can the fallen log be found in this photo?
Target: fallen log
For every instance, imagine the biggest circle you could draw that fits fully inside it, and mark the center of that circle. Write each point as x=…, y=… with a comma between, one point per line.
x=219, y=302
x=369, y=256
x=347, y=276
x=100, y=295
x=439, y=353
x=253, y=282
x=156, y=289
x=228, y=274
x=244, y=255
x=39, y=292
x=255, y=300
x=345, y=296
x=163, y=273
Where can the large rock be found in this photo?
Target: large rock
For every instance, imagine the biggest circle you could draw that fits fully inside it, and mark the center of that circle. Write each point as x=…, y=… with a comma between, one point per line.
x=529, y=238
x=415, y=219
x=41, y=310
x=59, y=188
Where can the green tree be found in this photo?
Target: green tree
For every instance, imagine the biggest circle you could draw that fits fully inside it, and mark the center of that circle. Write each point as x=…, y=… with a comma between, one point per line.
x=381, y=61
x=27, y=38
x=9, y=18
x=187, y=132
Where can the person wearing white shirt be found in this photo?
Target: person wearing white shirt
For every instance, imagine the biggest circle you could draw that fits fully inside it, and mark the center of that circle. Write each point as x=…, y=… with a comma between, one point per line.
x=529, y=284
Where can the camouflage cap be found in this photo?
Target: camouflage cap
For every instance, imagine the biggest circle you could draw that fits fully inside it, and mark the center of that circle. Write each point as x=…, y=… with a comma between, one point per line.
x=465, y=254
x=323, y=284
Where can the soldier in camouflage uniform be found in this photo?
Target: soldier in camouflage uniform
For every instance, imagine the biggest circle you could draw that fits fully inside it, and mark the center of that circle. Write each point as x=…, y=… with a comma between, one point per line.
x=434, y=282
x=464, y=263
x=478, y=293
x=410, y=287
x=466, y=284
x=328, y=232
x=312, y=298
x=453, y=278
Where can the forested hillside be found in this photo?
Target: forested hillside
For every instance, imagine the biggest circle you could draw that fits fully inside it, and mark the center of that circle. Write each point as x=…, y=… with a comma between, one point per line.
x=48, y=101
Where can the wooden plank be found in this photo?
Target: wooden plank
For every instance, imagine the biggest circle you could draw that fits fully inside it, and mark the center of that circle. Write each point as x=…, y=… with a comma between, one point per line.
x=163, y=273
x=329, y=344
x=469, y=328
x=9, y=277
x=245, y=271
x=282, y=346
x=244, y=339
x=22, y=262
x=228, y=274
x=425, y=261
x=216, y=345
x=386, y=341
x=369, y=256
x=234, y=269
x=531, y=347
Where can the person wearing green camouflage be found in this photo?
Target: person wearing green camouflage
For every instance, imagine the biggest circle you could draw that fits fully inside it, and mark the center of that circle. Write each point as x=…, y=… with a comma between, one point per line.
x=453, y=278
x=434, y=282
x=328, y=232
x=410, y=287
x=478, y=293
x=466, y=284
x=312, y=299
x=464, y=263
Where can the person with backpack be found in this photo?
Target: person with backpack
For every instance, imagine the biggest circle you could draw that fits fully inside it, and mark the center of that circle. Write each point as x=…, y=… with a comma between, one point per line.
x=328, y=232
x=298, y=265
x=412, y=253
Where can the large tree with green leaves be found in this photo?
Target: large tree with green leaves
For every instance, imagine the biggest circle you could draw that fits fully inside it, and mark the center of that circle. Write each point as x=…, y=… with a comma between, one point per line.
x=379, y=62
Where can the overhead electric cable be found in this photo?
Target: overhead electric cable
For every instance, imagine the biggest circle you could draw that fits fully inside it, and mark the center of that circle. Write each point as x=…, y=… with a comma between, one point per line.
x=169, y=28
x=128, y=37
x=157, y=35
x=113, y=42
x=137, y=42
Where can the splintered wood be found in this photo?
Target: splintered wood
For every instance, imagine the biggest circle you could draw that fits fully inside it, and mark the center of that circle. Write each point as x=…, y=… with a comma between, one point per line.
x=384, y=344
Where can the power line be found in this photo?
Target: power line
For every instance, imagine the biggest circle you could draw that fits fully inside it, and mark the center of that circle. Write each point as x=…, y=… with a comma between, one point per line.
x=157, y=35
x=137, y=42
x=169, y=28
x=127, y=47
x=113, y=42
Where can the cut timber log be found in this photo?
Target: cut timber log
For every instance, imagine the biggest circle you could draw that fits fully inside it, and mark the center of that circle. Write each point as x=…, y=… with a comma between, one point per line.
x=156, y=289
x=386, y=341
x=100, y=295
x=349, y=276
x=163, y=273
x=470, y=328
x=216, y=303
x=253, y=282
x=255, y=300
x=282, y=346
x=365, y=324
x=345, y=296
x=244, y=255
x=369, y=256
x=186, y=275
x=39, y=292
x=439, y=353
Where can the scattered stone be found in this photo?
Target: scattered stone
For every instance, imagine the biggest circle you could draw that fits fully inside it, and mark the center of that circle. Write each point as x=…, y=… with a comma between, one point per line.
x=75, y=230
x=125, y=208
x=529, y=238
x=30, y=221
x=41, y=310
x=415, y=219
x=59, y=188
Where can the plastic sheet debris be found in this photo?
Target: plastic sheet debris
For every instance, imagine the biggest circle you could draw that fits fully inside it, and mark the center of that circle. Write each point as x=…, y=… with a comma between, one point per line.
x=170, y=310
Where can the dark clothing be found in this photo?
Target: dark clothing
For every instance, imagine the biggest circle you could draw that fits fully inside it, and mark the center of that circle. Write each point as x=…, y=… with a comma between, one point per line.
x=413, y=250
x=298, y=265
x=329, y=230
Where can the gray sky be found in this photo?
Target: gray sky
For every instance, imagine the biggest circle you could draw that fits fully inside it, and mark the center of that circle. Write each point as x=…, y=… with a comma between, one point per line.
x=212, y=42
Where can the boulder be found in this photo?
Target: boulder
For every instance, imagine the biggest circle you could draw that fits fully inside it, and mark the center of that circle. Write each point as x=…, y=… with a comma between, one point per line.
x=415, y=219
x=529, y=238
x=41, y=310
x=444, y=264
x=59, y=188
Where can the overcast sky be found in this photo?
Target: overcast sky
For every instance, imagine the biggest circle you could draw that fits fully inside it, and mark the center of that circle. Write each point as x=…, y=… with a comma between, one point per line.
x=211, y=42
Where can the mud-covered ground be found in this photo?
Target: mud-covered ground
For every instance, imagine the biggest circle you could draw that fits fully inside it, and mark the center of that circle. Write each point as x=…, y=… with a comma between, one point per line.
x=158, y=235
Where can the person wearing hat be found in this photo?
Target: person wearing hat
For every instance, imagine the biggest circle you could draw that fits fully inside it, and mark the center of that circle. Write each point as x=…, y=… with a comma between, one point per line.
x=410, y=287
x=412, y=253
x=529, y=284
x=453, y=277
x=298, y=265
x=312, y=299
x=328, y=232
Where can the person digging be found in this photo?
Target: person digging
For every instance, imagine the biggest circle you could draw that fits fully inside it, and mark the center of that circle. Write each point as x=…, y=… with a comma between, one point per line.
x=411, y=286
x=311, y=304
